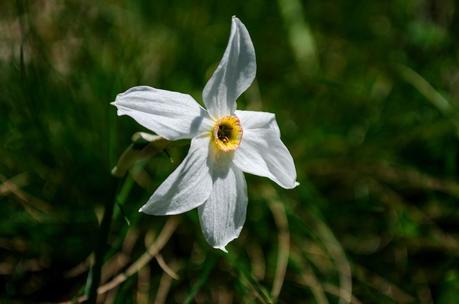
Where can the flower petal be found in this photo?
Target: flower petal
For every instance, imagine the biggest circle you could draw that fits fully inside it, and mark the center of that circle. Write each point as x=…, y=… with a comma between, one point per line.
x=223, y=214
x=187, y=187
x=258, y=120
x=233, y=75
x=169, y=114
x=262, y=152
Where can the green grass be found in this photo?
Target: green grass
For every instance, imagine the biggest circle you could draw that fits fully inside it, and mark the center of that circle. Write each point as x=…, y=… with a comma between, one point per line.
x=366, y=97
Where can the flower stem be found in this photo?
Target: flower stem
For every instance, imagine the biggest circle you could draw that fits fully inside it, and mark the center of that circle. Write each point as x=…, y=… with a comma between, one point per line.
x=101, y=248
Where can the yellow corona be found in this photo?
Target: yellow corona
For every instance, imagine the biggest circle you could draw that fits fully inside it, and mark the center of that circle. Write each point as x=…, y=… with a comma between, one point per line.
x=227, y=133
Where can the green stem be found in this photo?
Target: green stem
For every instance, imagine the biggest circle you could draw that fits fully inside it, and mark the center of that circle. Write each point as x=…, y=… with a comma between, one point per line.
x=203, y=278
x=100, y=250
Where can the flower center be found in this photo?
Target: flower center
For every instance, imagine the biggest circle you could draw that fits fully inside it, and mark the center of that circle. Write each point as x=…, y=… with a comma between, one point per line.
x=227, y=133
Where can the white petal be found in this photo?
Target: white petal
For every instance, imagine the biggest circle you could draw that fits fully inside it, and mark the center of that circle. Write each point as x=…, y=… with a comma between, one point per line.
x=262, y=152
x=223, y=214
x=258, y=120
x=233, y=75
x=187, y=187
x=169, y=114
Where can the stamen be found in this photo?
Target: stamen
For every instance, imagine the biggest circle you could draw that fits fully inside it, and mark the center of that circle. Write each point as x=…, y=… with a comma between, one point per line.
x=227, y=133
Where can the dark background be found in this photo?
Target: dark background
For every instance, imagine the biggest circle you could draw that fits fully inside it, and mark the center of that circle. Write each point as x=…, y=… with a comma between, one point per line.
x=366, y=95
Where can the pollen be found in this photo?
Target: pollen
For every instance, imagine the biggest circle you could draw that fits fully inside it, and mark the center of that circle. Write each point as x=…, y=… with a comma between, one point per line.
x=227, y=133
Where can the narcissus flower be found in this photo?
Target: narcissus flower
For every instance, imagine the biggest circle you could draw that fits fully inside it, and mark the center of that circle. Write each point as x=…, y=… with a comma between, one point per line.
x=225, y=143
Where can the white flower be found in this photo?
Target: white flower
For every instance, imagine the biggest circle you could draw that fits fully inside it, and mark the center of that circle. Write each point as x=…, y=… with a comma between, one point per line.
x=224, y=143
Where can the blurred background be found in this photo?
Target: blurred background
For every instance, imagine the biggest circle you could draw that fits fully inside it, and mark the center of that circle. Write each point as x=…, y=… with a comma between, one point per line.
x=366, y=95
